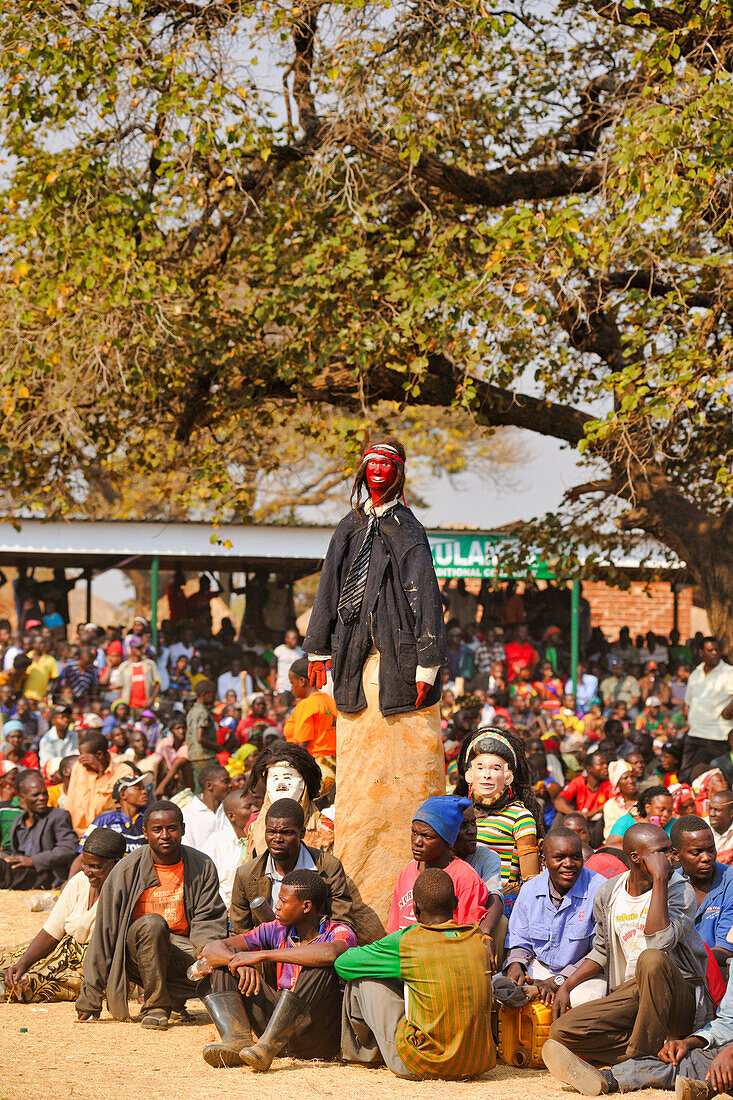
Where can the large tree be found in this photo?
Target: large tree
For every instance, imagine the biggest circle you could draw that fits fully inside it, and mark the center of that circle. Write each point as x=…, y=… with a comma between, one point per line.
x=218, y=212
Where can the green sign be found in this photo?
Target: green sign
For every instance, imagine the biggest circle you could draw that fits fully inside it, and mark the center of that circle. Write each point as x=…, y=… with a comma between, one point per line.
x=468, y=555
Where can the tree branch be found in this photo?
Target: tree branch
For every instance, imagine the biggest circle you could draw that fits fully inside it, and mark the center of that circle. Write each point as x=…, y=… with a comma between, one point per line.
x=657, y=288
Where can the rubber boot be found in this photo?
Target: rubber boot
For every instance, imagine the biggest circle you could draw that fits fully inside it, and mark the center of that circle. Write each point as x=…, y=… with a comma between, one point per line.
x=291, y=1016
x=227, y=1012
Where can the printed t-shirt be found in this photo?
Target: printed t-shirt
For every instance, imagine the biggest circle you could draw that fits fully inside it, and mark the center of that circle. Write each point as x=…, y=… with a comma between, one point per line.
x=313, y=724
x=628, y=920
x=274, y=935
x=138, y=696
x=501, y=830
x=585, y=800
x=166, y=898
x=471, y=892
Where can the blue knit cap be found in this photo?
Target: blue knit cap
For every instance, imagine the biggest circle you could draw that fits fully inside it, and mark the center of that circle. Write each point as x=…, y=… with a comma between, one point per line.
x=444, y=813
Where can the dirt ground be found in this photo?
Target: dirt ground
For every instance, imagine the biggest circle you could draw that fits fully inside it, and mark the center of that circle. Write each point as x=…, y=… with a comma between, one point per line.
x=46, y=1052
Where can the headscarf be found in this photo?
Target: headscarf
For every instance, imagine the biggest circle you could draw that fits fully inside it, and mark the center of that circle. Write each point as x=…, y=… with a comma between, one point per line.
x=105, y=843
x=681, y=793
x=700, y=790
x=616, y=769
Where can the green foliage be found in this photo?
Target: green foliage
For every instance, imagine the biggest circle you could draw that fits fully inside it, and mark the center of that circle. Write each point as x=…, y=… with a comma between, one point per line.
x=217, y=218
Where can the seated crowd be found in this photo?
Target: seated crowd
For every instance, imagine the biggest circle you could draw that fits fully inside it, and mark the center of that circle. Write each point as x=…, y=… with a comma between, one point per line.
x=580, y=857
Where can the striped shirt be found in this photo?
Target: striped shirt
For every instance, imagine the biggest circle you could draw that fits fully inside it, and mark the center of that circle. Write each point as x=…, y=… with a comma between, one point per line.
x=501, y=830
x=446, y=1032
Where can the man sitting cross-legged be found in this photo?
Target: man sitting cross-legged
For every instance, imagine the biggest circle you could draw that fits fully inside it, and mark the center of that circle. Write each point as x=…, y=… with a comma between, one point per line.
x=552, y=926
x=696, y=1067
x=436, y=1025
x=654, y=960
x=157, y=908
x=301, y=1007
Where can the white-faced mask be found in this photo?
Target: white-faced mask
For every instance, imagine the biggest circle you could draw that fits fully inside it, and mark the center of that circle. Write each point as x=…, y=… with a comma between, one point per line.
x=488, y=776
x=283, y=781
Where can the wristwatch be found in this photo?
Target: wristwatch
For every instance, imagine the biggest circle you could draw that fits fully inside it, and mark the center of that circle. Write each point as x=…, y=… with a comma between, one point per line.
x=559, y=980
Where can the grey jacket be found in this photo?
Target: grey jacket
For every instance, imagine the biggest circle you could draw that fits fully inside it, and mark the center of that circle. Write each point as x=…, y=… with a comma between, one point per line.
x=680, y=940
x=105, y=959
x=50, y=842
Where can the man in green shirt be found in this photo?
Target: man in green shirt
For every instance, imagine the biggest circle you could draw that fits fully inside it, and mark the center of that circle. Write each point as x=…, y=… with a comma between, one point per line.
x=445, y=1030
x=201, y=729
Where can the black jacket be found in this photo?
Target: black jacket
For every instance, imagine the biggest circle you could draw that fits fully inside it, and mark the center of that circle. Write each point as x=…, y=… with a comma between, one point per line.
x=402, y=612
x=50, y=842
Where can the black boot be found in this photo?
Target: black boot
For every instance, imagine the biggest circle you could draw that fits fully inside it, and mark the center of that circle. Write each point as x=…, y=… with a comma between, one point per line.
x=291, y=1016
x=227, y=1012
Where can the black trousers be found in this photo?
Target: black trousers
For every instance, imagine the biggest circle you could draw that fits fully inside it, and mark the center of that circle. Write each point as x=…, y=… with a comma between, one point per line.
x=23, y=878
x=159, y=965
x=318, y=986
x=698, y=750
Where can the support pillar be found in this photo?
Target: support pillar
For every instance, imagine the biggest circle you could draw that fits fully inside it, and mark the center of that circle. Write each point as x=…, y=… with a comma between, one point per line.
x=575, y=634
x=154, y=601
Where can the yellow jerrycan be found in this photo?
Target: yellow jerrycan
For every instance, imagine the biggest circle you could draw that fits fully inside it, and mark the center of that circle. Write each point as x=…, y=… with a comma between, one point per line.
x=522, y=1033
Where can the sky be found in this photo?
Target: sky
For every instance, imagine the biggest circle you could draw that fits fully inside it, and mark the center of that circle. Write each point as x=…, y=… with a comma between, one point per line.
x=466, y=501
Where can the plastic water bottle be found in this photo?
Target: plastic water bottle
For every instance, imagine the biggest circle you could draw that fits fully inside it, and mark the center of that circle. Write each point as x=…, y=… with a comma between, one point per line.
x=262, y=910
x=39, y=903
x=198, y=970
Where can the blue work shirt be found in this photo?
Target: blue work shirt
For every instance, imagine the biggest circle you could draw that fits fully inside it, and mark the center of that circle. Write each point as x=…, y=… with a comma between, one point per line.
x=556, y=937
x=714, y=919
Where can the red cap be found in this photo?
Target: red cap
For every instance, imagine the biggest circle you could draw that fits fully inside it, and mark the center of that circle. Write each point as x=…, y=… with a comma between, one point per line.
x=114, y=647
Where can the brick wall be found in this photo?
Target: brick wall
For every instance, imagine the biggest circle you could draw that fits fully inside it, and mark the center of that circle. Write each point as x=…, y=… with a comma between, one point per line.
x=641, y=608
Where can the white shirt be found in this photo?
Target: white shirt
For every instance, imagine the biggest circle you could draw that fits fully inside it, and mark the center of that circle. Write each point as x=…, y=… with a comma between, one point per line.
x=226, y=850
x=10, y=654
x=286, y=658
x=628, y=921
x=72, y=914
x=201, y=823
x=706, y=696
x=178, y=649
x=229, y=682
x=723, y=841
x=305, y=863
x=52, y=745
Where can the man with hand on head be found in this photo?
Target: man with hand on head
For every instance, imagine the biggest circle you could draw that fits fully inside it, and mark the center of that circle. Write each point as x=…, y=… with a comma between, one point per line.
x=551, y=927
x=157, y=908
x=285, y=851
x=446, y=972
x=92, y=781
x=654, y=961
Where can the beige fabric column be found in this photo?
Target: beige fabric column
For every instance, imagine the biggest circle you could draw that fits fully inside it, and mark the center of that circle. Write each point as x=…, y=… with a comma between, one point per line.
x=385, y=768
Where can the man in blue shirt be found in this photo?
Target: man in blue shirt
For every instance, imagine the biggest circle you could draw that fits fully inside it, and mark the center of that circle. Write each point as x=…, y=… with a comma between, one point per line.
x=693, y=844
x=551, y=928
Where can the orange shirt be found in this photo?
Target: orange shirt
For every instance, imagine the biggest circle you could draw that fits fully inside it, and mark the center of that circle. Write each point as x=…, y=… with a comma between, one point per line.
x=165, y=899
x=89, y=794
x=313, y=724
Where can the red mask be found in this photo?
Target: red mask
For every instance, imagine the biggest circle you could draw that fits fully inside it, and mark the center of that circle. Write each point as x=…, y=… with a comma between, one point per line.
x=380, y=477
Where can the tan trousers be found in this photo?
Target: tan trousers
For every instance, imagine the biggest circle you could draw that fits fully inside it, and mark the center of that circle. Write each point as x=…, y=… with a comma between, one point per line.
x=636, y=1018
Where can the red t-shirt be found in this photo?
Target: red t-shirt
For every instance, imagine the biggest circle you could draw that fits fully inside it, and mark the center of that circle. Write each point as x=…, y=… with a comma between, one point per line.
x=138, y=698
x=519, y=653
x=586, y=801
x=471, y=891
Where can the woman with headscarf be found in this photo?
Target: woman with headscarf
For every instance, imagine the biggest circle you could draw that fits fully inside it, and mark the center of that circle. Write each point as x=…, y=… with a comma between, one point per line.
x=289, y=771
x=50, y=968
x=496, y=776
x=705, y=786
x=625, y=795
x=654, y=806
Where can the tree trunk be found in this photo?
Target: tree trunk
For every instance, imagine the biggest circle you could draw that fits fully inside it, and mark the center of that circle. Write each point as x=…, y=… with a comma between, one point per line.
x=141, y=580
x=714, y=575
